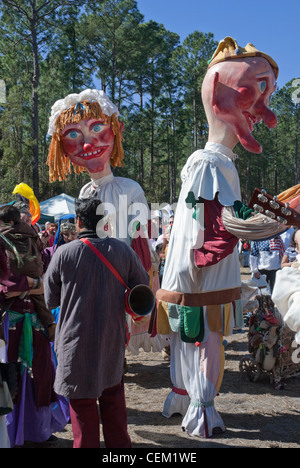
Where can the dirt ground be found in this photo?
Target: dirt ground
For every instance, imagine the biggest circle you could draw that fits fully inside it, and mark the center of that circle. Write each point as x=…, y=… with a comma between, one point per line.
x=255, y=414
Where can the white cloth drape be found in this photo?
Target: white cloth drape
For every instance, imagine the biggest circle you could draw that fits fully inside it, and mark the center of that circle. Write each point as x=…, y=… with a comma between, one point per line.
x=124, y=204
x=202, y=370
x=286, y=296
x=176, y=401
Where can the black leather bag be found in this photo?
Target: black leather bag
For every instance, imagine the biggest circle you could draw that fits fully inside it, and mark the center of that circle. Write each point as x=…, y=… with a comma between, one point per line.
x=10, y=375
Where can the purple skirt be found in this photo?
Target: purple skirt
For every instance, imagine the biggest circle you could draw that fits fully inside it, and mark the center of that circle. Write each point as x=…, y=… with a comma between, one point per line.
x=30, y=421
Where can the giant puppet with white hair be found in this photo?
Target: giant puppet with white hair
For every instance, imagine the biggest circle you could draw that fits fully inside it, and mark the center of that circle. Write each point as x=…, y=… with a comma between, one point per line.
x=199, y=301
x=87, y=135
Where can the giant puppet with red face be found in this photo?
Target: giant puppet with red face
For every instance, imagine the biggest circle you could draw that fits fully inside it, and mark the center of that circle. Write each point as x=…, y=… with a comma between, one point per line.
x=87, y=135
x=199, y=300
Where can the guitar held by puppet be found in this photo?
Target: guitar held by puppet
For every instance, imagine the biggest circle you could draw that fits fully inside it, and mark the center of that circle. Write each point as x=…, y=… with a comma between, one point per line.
x=283, y=208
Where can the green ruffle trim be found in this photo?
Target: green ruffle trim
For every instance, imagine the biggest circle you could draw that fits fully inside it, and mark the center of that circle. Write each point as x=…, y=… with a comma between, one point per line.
x=242, y=211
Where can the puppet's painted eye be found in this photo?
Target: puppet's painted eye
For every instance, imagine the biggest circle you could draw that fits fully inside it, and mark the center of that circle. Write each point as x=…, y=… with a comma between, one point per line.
x=263, y=86
x=97, y=128
x=73, y=135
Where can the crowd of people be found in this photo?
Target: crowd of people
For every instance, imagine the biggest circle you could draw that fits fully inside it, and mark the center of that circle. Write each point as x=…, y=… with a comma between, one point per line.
x=28, y=273
x=80, y=277
x=28, y=328
x=162, y=224
x=27, y=325
x=32, y=291
x=265, y=258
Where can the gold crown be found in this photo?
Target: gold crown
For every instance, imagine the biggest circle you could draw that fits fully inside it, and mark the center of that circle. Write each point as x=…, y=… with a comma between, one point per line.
x=228, y=49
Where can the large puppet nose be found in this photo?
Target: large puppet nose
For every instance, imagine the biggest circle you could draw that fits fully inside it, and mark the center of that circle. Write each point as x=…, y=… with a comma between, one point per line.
x=88, y=148
x=269, y=118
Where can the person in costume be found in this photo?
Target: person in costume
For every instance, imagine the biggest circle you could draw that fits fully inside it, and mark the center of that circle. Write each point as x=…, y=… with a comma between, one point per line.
x=87, y=134
x=37, y=412
x=265, y=259
x=48, y=235
x=290, y=252
x=4, y=274
x=199, y=300
x=28, y=245
x=91, y=330
x=68, y=231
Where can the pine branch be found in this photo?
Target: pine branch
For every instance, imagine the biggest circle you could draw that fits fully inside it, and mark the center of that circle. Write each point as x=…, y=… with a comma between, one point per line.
x=16, y=7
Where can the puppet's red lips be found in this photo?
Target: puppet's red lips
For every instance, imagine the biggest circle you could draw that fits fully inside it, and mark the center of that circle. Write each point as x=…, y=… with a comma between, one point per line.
x=92, y=154
x=251, y=120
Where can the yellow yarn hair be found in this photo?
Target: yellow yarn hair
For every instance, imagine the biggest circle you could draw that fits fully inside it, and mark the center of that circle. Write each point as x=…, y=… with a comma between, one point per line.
x=59, y=164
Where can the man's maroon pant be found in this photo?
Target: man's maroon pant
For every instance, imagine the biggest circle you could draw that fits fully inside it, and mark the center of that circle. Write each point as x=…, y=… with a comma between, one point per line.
x=113, y=415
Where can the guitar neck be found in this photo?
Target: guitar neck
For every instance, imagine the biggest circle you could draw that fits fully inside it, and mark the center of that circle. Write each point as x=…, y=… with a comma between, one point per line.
x=271, y=207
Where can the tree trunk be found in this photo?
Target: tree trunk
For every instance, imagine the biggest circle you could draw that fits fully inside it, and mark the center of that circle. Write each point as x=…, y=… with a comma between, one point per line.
x=276, y=172
x=34, y=100
x=248, y=182
x=152, y=143
x=195, y=116
x=152, y=128
x=173, y=181
x=141, y=139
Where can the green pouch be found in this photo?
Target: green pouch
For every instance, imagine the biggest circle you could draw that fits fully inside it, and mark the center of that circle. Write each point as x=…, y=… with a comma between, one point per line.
x=192, y=324
x=191, y=321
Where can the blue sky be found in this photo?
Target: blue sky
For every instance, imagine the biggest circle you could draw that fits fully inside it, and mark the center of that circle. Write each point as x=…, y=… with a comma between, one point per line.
x=272, y=26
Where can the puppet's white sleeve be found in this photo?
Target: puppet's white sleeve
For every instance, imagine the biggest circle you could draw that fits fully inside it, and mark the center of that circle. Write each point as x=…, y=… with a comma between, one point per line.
x=255, y=228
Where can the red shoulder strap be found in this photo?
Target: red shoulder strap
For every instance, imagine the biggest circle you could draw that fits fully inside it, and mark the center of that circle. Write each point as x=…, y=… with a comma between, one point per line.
x=104, y=260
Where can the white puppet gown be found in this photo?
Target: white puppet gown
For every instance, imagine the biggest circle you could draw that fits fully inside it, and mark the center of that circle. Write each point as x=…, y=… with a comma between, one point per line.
x=209, y=294
x=125, y=205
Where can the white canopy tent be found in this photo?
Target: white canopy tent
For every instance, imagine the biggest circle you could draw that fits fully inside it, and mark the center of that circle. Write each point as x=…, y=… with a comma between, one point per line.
x=58, y=206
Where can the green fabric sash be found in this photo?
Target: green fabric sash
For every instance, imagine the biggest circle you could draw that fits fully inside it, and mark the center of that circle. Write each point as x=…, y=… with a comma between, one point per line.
x=25, y=351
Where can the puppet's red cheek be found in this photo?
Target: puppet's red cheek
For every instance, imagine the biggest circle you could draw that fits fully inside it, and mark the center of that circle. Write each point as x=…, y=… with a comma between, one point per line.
x=106, y=137
x=71, y=147
x=245, y=97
